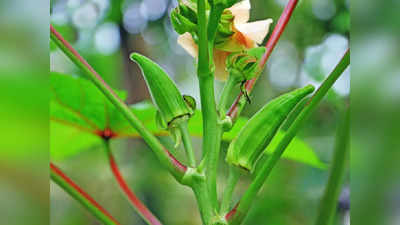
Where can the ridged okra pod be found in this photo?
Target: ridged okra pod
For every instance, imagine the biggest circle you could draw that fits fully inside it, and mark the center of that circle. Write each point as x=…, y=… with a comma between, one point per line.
x=173, y=109
x=166, y=96
x=258, y=132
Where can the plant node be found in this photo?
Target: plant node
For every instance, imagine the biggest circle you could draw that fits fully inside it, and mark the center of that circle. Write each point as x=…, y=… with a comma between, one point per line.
x=191, y=175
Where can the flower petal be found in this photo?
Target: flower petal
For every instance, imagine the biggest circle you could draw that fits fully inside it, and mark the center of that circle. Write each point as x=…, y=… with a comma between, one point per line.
x=241, y=11
x=220, y=64
x=186, y=41
x=256, y=31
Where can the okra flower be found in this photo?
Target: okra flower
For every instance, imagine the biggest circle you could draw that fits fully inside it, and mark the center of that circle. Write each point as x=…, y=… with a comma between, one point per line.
x=234, y=34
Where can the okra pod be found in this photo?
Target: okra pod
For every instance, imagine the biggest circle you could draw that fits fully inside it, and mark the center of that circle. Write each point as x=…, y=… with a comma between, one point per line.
x=258, y=132
x=170, y=103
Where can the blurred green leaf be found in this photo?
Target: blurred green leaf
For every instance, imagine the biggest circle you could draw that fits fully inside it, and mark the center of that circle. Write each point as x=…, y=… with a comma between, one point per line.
x=80, y=114
x=297, y=150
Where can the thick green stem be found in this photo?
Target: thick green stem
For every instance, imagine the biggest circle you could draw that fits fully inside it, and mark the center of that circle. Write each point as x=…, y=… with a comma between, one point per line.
x=203, y=67
x=266, y=169
x=233, y=178
x=213, y=21
x=187, y=142
x=81, y=196
x=329, y=200
x=212, y=133
x=211, y=136
x=166, y=158
x=206, y=210
x=215, y=16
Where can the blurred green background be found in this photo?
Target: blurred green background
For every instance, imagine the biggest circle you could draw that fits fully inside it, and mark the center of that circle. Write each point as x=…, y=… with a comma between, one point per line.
x=106, y=32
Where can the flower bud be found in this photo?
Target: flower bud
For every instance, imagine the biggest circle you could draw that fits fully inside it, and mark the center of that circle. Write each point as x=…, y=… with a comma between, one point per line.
x=225, y=28
x=166, y=96
x=245, y=65
x=184, y=19
x=258, y=132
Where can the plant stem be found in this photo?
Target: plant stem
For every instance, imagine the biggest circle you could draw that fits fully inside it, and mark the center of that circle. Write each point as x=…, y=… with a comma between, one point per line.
x=139, y=207
x=223, y=101
x=332, y=191
x=203, y=68
x=278, y=30
x=176, y=168
x=211, y=130
x=81, y=196
x=215, y=16
x=262, y=175
x=212, y=133
x=233, y=178
x=238, y=105
x=199, y=187
x=187, y=142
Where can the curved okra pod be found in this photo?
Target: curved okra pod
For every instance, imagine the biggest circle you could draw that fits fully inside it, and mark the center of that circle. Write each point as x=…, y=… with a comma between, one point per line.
x=173, y=108
x=255, y=136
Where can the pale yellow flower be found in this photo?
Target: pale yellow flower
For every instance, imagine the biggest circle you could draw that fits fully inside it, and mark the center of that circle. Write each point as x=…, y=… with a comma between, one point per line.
x=246, y=35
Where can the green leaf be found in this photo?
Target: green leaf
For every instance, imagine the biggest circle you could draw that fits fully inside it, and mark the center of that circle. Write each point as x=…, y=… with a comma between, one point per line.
x=68, y=140
x=79, y=114
x=297, y=150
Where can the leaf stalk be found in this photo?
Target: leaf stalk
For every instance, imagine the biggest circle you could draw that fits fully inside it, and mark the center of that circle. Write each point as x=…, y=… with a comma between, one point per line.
x=176, y=168
x=58, y=176
x=139, y=207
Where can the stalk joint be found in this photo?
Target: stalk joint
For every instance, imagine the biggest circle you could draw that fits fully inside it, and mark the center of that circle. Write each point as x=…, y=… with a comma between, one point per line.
x=191, y=176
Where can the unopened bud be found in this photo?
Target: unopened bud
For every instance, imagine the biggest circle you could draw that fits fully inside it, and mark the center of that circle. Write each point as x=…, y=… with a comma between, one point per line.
x=245, y=65
x=184, y=19
x=224, y=29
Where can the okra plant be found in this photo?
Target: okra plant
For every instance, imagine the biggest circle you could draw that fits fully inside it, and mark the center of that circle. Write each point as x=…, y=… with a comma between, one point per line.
x=225, y=46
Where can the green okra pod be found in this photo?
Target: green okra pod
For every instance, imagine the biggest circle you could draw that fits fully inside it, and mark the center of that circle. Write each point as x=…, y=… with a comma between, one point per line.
x=258, y=132
x=170, y=103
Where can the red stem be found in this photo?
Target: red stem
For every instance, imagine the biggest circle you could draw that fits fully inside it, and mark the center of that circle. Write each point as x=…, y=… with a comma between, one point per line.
x=57, y=171
x=231, y=213
x=178, y=165
x=272, y=41
x=80, y=58
x=137, y=204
